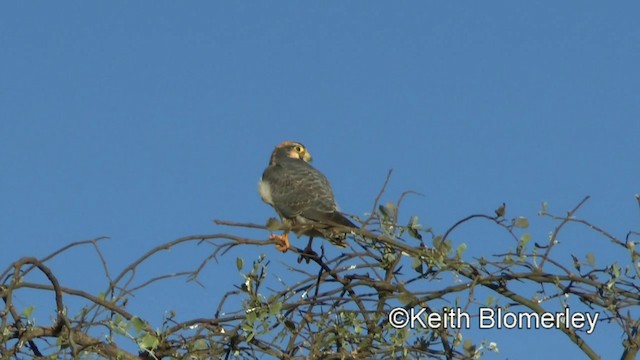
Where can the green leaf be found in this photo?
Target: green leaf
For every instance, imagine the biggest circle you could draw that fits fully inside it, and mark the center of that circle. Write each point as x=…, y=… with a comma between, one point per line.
x=120, y=326
x=545, y=207
x=469, y=347
x=26, y=312
x=149, y=342
x=416, y=264
x=200, y=344
x=250, y=337
x=406, y=298
x=521, y=222
x=460, y=250
x=524, y=240
x=274, y=309
x=490, y=300
x=631, y=245
x=616, y=270
x=508, y=259
x=386, y=213
x=387, y=260
x=436, y=241
x=415, y=234
x=591, y=259
x=576, y=262
x=251, y=317
x=138, y=324
x=610, y=284
x=239, y=263
x=414, y=227
x=501, y=210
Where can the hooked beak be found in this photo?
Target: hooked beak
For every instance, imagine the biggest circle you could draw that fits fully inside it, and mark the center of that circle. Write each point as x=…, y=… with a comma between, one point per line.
x=307, y=157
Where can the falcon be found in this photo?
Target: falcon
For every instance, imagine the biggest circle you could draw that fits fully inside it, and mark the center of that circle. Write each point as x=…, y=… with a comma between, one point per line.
x=302, y=197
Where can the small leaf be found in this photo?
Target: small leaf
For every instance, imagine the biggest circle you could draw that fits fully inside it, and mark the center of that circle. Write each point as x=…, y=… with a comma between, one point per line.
x=545, y=207
x=26, y=313
x=250, y=337
x=521, y=222
x=616, y=270
x=482, y=261
x=591, y=260
x=392, y=208
x=239, y=263
x=490, y=300
x=508, y=259
x=149, y=342
x=501, y=210
x=290, y=325
x=416, y=264
x=460, y=250
x=469, y=347
x=138, y=324
x=200, y=344
x=414, y=233
x=436, y=241
x=251, y=317
x=386, y=214
x=406, y=298
x=576, y=262
x=120, y=326
x=524, y=240
x=387, y=260
x=414, y=227
x=274, y=309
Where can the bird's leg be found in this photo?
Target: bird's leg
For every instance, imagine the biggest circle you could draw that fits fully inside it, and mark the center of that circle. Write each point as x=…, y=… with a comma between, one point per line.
x=308, y=249
x=282, y=241
x=308, y=252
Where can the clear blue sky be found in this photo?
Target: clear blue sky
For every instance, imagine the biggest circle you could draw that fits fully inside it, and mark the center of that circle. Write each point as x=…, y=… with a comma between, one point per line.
x=143, y=121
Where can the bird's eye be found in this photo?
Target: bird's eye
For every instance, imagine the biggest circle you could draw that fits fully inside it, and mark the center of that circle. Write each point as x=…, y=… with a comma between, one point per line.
x=298, y=148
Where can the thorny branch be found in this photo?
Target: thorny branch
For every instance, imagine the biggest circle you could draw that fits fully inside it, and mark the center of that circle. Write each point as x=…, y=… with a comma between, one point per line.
x=335, y=306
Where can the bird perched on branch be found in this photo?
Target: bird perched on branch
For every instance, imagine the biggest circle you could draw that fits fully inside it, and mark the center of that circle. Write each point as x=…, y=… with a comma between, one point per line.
x=302, y=197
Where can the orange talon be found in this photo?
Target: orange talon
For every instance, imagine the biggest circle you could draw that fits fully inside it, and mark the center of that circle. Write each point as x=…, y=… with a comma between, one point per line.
x=282, y=241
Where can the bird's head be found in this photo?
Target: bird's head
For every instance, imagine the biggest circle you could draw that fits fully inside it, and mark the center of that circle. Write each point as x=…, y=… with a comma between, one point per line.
x=291, y=149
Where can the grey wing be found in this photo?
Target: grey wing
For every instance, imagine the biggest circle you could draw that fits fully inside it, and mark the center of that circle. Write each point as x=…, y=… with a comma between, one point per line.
x=299, y=189
x=323, y=207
